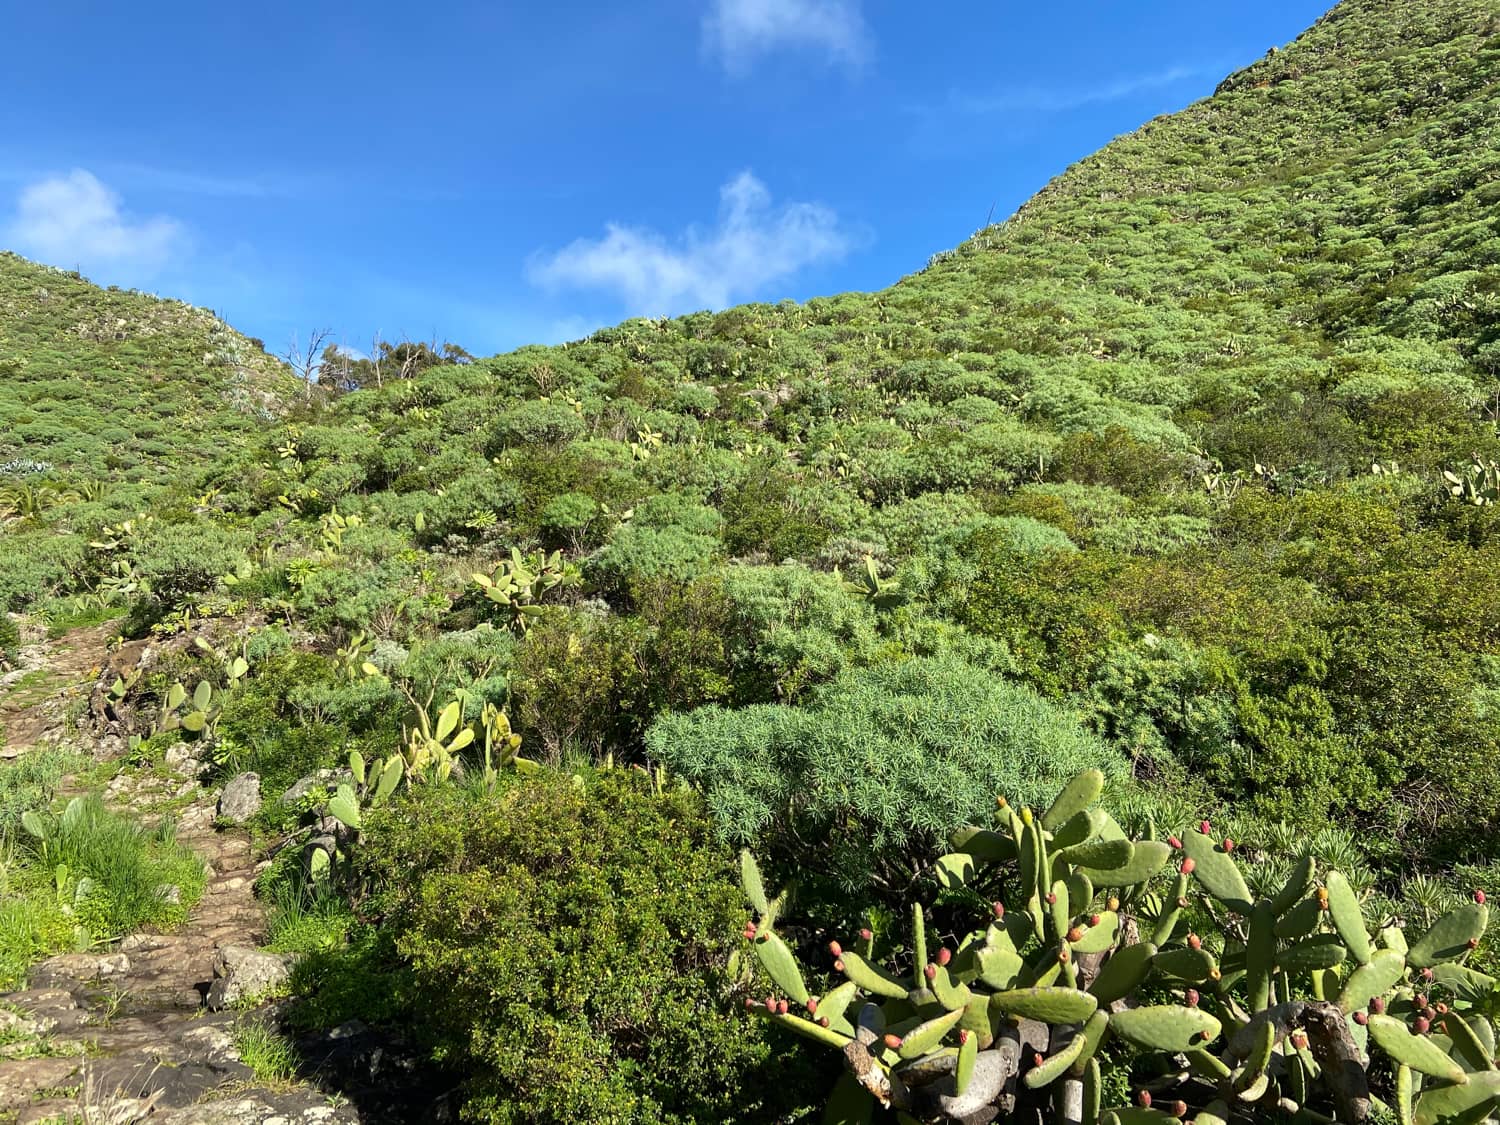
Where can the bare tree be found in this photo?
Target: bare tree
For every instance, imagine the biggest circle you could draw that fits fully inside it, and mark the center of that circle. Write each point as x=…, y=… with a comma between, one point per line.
x=308, y=361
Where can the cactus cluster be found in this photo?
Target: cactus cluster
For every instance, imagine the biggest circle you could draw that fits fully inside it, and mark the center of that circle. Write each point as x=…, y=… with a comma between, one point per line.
x=1285, y=1007
x=1476, y=483
x=196, y=713
x=519, y=583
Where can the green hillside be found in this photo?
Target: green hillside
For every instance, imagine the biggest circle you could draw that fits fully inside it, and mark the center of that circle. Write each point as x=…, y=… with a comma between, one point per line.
x=119, y=384
x=1185, y=473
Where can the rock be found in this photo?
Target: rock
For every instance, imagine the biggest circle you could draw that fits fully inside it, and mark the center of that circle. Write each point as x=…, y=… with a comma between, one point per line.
x=322, y=779
x=241, y=798
x=210, y=1044
x=181, y=759
x=79, y=967
x=23, y=1079
x=242, y=972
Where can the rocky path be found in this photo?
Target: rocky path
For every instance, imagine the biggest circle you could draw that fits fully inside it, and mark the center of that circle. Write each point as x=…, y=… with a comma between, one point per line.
x=128, y=1034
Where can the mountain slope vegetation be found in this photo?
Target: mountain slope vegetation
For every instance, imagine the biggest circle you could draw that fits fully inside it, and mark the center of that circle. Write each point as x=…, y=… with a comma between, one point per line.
x=1185, y=472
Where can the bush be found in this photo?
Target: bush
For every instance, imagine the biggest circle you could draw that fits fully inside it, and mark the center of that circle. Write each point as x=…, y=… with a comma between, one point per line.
x=577, y=932
x=882, y=762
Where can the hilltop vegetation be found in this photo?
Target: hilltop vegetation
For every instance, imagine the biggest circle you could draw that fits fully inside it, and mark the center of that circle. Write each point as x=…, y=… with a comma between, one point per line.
x=1185, y=473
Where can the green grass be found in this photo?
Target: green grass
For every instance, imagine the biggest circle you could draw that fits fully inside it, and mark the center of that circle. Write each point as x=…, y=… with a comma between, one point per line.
x=268, y=1053
x=120, y=868
x=30, y=782
x=304, y=921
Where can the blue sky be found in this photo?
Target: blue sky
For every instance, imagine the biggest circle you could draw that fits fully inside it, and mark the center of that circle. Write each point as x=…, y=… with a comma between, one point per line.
x=503, y=173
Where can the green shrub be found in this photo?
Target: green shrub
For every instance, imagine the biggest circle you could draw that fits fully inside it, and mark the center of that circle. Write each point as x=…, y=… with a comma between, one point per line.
x=882, y=760
x=577, y=932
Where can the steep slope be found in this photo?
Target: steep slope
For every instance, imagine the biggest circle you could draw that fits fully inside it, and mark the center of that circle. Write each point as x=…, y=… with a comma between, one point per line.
x=1187, y=472
x=1298, y=270
x=99, y=383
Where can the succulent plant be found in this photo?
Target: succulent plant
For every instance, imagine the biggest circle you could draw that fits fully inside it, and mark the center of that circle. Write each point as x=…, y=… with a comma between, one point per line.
x=1275, y=1006
x=519, y=583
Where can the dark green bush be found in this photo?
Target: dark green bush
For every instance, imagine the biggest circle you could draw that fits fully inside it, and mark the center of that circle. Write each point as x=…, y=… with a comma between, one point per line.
x=576, y=933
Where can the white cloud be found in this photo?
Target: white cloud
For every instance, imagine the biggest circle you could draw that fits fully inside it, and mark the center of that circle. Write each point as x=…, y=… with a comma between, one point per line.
x=753, y=245
x=76, y=220
x=740, y=30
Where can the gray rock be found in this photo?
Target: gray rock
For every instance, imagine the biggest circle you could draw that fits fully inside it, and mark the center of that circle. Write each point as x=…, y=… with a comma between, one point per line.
x=244, y=973
x=210, y=1044
x=79, y=967
x=305, y=785
x=183, y=760
x=241, y=798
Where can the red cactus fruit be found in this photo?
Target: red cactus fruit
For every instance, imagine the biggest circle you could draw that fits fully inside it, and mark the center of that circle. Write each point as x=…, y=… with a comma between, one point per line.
x=1205, y=828
x=1037, y=1060
x=1419, y=1000
x=1427, y=974
x=1051, y=899
x=1194, y=941
x=1075, y=934
x=835, y=948
x=1187, y=866
x=1192, y=997
x=838, y=966
x=866, y=934
x=998, y=909
x=749, y=1004
x=1179, y=1108
x=963, y=1035
x=1377, y=1005
x=1479, y=897
x=782, y=1007
x=1094, y=919
x=892, y=1041
x=823, y=1021
x=770, y=1003
x=1144, y=1099
x=930, y=972
x=1361, y=1019
x=1421, y=1025
x=1228, y=844
x=812, y=1005
x=944, y=955
x=1174, y=841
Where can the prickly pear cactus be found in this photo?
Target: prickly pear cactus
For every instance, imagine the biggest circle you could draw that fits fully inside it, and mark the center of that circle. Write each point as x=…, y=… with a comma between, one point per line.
x=1284, y=1007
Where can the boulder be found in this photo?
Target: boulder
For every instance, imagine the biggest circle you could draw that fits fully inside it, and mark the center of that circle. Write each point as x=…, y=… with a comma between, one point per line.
x=244, y=973
x=241, y=798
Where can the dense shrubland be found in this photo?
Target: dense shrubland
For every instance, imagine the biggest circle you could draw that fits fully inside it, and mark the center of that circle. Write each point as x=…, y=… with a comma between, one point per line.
x=1186, y=473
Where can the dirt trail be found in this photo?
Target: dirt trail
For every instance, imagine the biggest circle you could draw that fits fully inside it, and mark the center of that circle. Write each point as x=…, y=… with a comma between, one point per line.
x=50, y=676
x=126, y=1031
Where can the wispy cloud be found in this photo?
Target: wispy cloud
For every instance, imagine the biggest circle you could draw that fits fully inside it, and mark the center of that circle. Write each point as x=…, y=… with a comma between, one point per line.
x=740, y=31
x=75, y=219
x=1043, y=99
x=753, y=244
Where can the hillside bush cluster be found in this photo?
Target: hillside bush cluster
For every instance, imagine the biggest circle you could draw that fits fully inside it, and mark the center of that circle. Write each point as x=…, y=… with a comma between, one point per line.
x=1187, y=473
